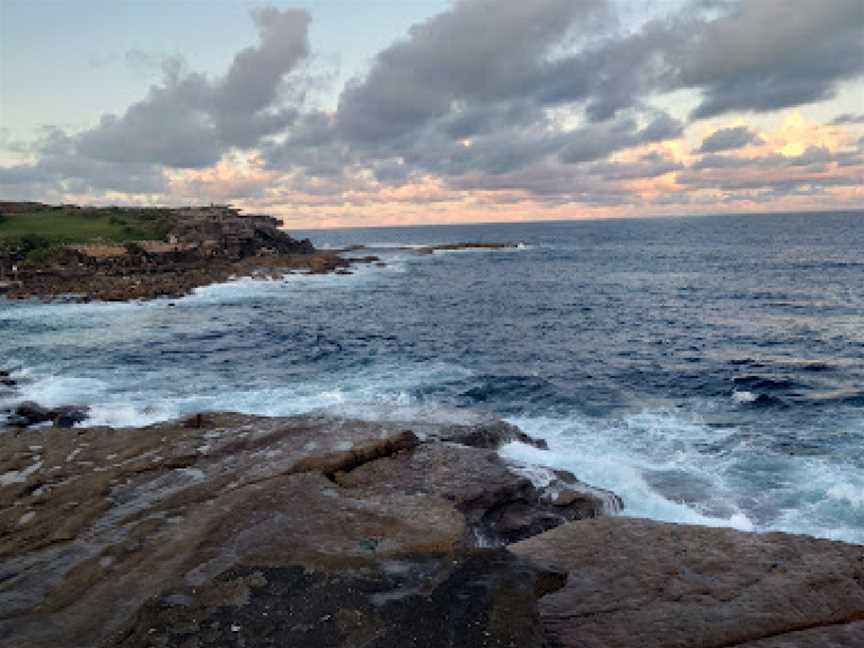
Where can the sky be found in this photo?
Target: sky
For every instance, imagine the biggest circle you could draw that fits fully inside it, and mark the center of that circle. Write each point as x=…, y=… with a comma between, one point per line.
x=347, y=113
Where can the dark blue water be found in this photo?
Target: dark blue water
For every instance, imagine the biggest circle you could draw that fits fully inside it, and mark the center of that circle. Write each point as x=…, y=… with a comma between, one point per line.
x=708, y=369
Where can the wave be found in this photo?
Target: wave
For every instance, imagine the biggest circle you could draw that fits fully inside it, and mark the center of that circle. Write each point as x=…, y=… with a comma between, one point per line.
x=671, y=466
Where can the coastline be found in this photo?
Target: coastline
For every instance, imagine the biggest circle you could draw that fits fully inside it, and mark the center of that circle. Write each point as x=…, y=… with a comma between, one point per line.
x=156, y=278
x=168, y=281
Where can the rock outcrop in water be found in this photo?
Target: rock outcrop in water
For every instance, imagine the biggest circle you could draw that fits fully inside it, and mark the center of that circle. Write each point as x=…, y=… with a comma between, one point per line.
x=234, y=530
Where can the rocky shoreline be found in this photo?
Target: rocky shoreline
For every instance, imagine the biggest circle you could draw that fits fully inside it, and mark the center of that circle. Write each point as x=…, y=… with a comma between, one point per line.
x=175, y=280
x=225, y=529
x=201, y=246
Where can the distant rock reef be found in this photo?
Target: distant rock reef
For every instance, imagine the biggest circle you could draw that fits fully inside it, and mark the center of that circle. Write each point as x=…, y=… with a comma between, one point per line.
x=231, y=530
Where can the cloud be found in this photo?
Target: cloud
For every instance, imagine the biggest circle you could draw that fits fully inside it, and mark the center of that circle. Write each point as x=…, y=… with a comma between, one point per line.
x=725, y=139
x=770, y=54
x=189, y=120
x=59, y=167
x=649, y=165
x=847, y=118
x=815, y=167
x=456, y=58
x=596, y=141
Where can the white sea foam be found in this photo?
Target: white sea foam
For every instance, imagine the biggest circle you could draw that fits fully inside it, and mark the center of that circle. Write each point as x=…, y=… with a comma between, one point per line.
x=849, y=494
x=742, y=397
x=669, y=466
x=380, y=393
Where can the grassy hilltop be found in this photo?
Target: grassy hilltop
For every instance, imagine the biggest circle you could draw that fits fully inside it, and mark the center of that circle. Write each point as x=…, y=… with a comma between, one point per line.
x=36, y=226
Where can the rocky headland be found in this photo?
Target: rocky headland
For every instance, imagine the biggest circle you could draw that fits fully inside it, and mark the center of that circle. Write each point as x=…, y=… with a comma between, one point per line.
x=196, y=246
x=224, y=529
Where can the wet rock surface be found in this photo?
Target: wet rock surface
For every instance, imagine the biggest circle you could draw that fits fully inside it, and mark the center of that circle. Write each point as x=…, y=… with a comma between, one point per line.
x=29, y=413
x=642, y=583
x=151, y=536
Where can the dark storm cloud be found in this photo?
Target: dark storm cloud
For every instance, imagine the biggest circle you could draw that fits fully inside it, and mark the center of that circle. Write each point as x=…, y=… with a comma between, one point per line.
x=189, y=121
x=726, y=139
x=771, y=54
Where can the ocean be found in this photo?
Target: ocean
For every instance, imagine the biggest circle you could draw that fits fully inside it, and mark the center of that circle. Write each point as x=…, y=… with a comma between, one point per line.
x=709, y=370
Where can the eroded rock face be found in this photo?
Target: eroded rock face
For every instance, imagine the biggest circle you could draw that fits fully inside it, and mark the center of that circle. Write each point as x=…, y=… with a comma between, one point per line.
x=642, y=583
x=106, y=533
x=500, y=506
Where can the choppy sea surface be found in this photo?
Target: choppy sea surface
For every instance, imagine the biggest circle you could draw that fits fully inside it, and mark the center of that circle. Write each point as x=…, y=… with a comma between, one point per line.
x=708, y=369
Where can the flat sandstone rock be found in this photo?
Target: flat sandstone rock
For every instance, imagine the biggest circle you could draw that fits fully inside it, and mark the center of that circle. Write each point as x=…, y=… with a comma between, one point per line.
x=227, y=529
x=645, y=584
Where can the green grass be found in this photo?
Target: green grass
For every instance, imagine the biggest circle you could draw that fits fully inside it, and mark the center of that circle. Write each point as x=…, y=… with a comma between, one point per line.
x=60, y=226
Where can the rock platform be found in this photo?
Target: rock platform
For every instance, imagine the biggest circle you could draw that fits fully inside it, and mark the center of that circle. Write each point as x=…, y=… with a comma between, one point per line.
x=224, y=529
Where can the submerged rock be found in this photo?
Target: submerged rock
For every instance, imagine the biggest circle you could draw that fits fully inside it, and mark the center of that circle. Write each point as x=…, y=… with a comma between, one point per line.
x=648, y=584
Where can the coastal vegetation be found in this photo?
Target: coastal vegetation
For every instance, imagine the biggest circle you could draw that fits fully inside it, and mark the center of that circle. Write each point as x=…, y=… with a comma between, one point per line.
x=32, y=231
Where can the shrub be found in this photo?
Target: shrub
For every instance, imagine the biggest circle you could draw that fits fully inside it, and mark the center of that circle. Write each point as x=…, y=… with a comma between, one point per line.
x=31, y=242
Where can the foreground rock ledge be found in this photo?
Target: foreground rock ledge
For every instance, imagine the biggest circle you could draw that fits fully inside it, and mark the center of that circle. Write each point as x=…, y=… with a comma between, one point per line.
x=231, y=530
x=648, y=584
x=226, y=529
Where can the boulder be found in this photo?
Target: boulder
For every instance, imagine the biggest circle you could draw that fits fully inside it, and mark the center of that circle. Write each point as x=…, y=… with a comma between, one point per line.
x=32, y=413
x=636, y=582
x=29, y=413
x=69, y=416
x=490, y=434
